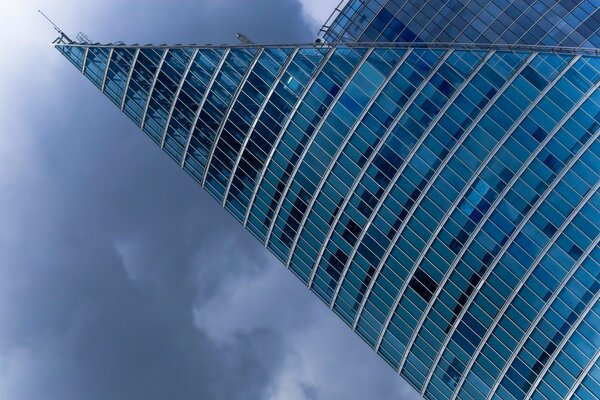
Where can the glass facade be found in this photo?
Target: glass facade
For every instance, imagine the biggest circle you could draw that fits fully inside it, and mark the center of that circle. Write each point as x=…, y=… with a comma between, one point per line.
x=441, y=198
x=569, y=23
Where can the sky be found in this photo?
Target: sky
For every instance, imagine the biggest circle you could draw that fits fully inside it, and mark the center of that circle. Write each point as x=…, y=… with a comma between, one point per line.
x=119, y=277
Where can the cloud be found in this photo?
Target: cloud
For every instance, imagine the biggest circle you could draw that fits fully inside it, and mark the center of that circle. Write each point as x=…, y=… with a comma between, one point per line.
x=74, y=324
x=119, y=278
x=319, y=10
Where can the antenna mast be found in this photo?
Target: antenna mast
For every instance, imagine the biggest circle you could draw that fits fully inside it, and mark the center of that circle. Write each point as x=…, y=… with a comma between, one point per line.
x=56, y=28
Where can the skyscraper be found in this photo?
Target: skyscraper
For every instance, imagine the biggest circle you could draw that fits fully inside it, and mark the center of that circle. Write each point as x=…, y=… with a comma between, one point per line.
x=430, y=170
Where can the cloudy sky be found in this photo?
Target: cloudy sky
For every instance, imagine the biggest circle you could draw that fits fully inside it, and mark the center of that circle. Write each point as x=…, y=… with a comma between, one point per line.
x=119, y=277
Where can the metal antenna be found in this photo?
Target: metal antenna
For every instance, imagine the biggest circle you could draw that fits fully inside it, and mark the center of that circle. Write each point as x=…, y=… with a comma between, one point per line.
x=243, y=38
x=62, y=34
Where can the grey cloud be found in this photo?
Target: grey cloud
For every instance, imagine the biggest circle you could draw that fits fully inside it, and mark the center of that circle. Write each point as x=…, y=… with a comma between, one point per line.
x=89, y=330
x=310, y=392
x=264, y=21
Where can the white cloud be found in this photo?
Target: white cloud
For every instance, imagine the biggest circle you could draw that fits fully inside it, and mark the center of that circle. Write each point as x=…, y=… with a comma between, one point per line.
x=324, y=359
x=319, y=10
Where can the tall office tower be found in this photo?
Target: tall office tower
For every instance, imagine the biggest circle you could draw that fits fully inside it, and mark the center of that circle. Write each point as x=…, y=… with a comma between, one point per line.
x=430, y=170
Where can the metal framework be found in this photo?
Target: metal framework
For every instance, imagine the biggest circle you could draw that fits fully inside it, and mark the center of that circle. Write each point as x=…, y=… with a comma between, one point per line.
x=276, y=82
x=332, y=164
x=358, y=12
x=151, y=90
x=232, y=103
x=284, y=127
x=389, y=131
x=497, y=259
x=103, y=85
x=476, y=174
x=565, y=340
x=583, y=375
x=414, y=45
x=311, y=141
x=552, y=241
x=84, y=61
x=333, y=17
x=539, y=317
x=430, y=183
x=505, y=247
x=485, y=219
x=201, y=105
x=176, y=97
x=126, y=89
x=432, y=125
